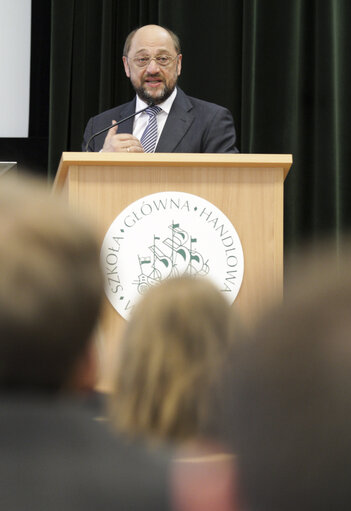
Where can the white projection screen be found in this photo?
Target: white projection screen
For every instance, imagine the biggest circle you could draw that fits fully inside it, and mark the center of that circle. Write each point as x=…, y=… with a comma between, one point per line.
x=15, y=41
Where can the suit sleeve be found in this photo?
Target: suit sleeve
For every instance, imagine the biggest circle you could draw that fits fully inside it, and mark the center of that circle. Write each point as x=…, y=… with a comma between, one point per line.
x=87, y=134
x=220, y=136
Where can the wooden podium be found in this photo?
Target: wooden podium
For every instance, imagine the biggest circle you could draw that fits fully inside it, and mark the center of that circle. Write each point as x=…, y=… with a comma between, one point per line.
x=247, y=188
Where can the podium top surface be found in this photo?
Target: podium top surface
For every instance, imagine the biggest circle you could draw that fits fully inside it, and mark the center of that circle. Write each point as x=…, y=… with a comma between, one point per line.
x=69, y=159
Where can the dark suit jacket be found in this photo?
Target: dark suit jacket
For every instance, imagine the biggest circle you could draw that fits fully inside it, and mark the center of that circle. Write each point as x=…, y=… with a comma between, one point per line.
x=192, y=126
x=55, y=457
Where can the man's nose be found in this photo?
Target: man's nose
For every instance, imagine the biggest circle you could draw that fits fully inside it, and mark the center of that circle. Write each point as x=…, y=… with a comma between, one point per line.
x=153, y=66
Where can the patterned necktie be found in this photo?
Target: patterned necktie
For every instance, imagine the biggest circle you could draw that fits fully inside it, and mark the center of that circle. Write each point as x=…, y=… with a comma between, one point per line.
x=149, y=137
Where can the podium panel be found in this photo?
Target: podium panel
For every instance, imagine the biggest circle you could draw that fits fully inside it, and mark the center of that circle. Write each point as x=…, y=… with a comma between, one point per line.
x=247, y=188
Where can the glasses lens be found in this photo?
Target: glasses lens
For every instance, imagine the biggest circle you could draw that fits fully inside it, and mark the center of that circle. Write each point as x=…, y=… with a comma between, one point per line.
x=142, y=61
x=161, y=60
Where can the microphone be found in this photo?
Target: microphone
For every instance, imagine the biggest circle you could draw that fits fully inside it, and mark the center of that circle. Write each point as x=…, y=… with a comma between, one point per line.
x=115, y=124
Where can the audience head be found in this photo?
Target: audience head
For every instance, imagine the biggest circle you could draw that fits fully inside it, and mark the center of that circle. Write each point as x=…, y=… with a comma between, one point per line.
x=50, y=291
x=170, y=356
x=288, y=394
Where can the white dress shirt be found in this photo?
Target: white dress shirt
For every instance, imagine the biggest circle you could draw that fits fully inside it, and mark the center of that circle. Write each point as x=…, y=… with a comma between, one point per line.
x=141, y=120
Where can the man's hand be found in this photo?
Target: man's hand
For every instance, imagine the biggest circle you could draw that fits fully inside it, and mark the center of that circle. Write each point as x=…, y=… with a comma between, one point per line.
x=123, y=142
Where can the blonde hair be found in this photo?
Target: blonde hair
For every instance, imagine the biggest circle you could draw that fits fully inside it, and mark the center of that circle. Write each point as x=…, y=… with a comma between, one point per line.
x=170, y=355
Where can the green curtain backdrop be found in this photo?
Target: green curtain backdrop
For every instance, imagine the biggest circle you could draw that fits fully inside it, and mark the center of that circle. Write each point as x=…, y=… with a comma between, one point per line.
x=282, y=68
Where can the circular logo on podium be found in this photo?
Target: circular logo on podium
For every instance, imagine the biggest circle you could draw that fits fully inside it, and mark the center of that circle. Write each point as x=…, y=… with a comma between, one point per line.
x=167, y=235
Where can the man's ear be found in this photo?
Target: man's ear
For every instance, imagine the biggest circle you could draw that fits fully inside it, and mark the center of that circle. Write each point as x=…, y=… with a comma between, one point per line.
x=126, y=66
x=179, y=63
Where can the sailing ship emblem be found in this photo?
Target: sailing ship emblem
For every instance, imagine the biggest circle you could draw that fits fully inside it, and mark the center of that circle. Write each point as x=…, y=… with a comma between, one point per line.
x=166, y=235
x=171, y=257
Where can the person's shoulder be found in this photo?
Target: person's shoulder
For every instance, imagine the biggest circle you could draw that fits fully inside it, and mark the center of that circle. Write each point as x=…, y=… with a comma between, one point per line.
x=88, y=454
x=116, y=111
x=201, y=104
x=110, y=113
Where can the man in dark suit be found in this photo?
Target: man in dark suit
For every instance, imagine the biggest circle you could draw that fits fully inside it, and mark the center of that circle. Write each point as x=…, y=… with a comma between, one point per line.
x=53, y=454
x=152, y=60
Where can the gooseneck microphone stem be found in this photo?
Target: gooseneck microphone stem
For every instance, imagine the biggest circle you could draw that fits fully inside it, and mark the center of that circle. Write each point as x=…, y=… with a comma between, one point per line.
x=87, y=148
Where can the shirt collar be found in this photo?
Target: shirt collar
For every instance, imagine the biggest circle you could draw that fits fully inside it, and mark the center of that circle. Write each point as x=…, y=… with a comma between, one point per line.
x=166, y=105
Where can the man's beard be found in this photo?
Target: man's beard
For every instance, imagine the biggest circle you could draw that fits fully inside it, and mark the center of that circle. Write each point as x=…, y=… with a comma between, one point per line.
x=148, y=98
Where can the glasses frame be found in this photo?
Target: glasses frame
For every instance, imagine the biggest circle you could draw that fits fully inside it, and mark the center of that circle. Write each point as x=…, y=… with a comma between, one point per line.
x=135, y=59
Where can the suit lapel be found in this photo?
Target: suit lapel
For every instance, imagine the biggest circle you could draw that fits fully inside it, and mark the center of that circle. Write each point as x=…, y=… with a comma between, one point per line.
x=178, y=122
x=125, y=111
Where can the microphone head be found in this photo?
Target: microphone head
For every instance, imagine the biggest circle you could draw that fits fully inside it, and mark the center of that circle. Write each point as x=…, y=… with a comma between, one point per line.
x=151, y=102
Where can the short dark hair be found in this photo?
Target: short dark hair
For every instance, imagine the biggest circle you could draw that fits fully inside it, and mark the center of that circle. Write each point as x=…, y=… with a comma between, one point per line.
x=288, y=397
x=130, y=36
x=50, y=287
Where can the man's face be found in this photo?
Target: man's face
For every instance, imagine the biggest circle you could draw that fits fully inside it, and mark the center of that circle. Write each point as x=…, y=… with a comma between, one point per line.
x=153, y=82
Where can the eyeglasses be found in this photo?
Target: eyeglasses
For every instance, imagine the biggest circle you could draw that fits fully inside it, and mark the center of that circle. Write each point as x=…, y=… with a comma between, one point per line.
x=161, y=60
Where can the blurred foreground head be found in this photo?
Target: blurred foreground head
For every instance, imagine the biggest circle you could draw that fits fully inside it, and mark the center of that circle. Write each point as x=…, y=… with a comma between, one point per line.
x=50, y=288
x=170, y=356
x=288, y=393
